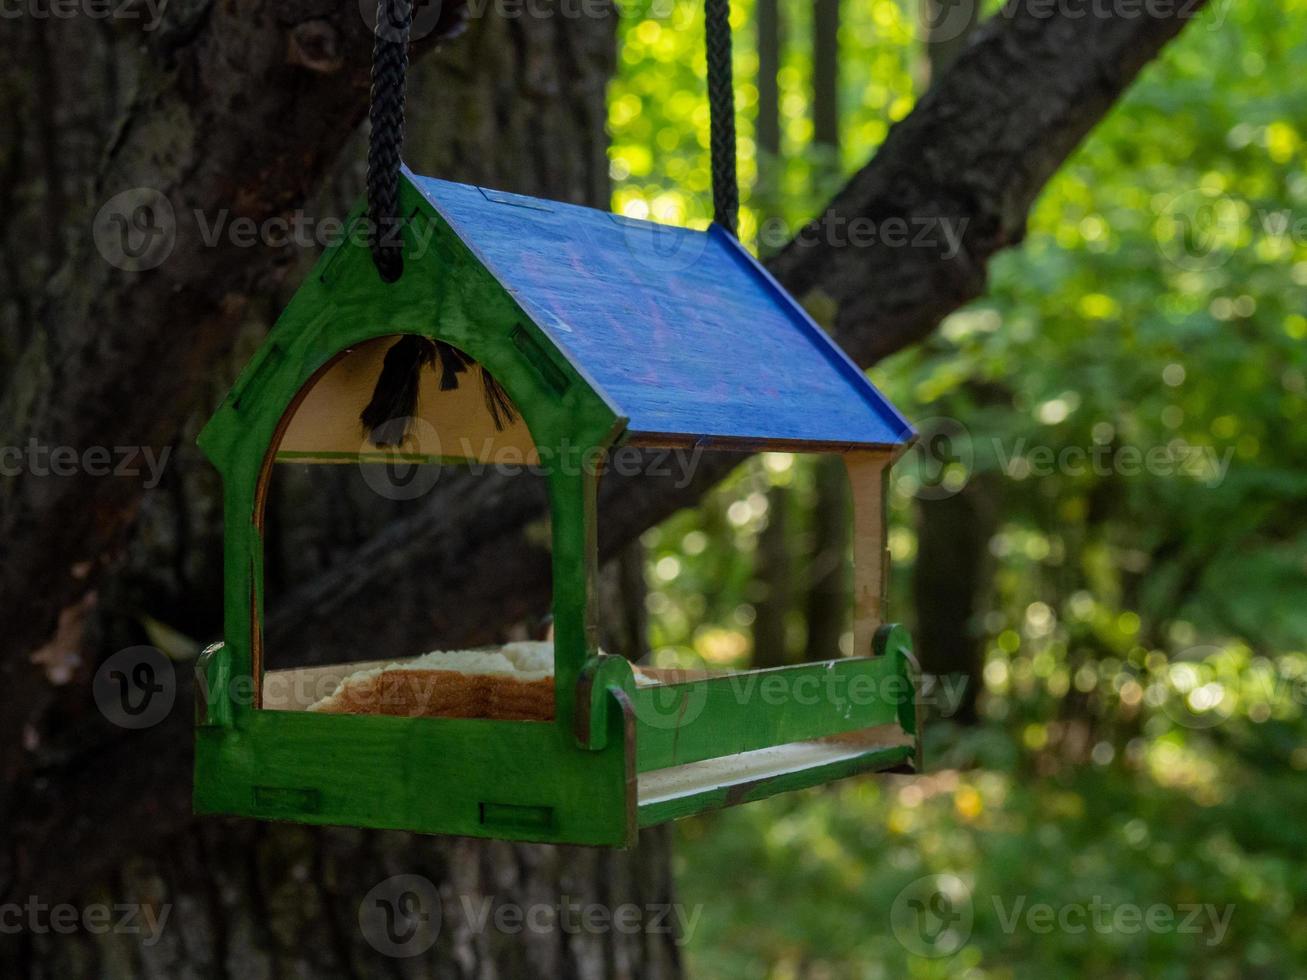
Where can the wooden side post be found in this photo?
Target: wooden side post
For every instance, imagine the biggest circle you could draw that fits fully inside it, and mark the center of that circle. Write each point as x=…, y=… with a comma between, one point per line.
x=573, y=493
x=867, y=473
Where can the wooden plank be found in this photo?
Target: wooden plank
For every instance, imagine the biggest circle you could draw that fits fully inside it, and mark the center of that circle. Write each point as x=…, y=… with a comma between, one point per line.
x=738, y=444
x=573, y=508
x=867, y=479
x=679, y=675
x=669, y=794
x=680, y=330
x=474, y=777
x=724, y=715
x=450, y=425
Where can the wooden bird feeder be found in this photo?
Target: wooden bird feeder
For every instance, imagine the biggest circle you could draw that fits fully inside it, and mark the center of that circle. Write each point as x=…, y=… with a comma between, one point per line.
x=605, y=332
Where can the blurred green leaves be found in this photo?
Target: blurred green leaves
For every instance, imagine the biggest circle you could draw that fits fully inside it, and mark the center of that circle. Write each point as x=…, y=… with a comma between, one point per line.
x=1144, y=622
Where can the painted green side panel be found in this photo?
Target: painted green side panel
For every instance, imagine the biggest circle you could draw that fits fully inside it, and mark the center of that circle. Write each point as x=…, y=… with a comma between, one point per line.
x=520, y=780
x=689, y=722
x=652, y=814
x=894, y=643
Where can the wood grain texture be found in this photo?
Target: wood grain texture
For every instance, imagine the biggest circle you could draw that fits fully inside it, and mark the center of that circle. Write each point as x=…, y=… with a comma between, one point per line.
x=868, y=476
x=448, y=425
x=673, y=793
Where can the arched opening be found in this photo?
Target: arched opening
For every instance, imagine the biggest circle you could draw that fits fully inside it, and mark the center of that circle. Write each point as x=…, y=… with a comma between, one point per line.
x=372, y=527
x=449, y=423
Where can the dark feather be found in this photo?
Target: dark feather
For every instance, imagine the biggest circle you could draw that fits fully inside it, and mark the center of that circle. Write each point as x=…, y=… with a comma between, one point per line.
x=387, y=417
x=386, y=420
x=500, y=406
x=453, y=362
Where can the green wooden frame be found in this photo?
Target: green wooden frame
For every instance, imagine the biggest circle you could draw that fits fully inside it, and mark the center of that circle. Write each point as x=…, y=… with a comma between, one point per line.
x=577, y=779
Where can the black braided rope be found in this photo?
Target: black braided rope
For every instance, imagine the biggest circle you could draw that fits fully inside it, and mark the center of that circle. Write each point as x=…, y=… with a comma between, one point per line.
x=386, y=140
x=721, y=106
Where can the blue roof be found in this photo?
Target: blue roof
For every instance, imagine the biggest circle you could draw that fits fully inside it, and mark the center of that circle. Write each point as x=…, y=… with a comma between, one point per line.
x=681, y=331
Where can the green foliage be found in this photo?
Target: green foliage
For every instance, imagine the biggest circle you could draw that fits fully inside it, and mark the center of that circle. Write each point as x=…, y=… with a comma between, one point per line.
x=1131, y=397
x=658, y=115
x=807, y=885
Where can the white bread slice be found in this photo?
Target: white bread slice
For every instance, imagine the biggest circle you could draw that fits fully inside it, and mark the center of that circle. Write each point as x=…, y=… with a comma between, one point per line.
x=513, y=682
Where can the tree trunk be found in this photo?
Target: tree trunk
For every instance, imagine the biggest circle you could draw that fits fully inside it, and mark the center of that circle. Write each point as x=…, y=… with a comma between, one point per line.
x=950, y=577
x=765, y=193
x=517, y=103
x=945, y=27
x=266, y=901
x=950, y=582
x=771, y=587
x=828, y=600
x=826, y=80
x=624, y=630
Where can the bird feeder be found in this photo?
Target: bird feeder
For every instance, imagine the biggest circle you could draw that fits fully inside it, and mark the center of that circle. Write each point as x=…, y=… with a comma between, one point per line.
x=604, y=332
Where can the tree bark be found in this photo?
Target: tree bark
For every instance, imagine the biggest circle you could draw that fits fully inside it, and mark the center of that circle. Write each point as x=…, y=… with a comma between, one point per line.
x=950, y=578
x=945, y=27
x=516, y=103
x=830, y=597
x=826, y=78
x=772, y=587
x=828, y=591
x=263, y=901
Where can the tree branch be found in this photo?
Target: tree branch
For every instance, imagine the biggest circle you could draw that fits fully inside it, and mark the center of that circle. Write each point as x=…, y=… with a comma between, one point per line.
x=971, y=158
x=227, y=124
x=968, y=161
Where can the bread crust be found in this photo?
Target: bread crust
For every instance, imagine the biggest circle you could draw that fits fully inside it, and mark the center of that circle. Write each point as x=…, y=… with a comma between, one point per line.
x=513, y=682
x=420, y=693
